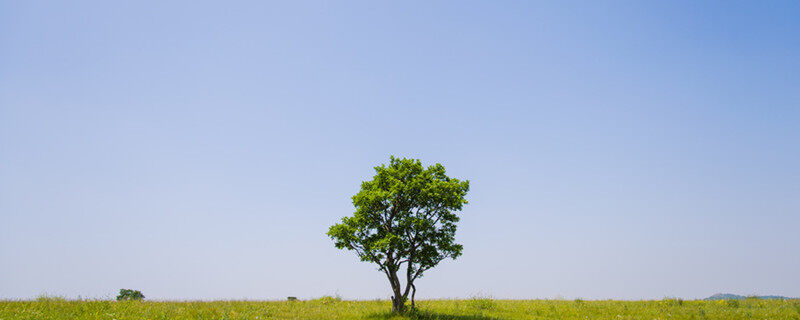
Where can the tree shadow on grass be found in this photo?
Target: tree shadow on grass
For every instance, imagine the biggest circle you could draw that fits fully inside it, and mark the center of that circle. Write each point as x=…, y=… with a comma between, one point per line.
x=427, y=315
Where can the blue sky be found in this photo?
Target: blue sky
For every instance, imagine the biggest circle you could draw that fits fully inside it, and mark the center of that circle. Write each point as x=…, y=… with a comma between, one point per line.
x=199, y=150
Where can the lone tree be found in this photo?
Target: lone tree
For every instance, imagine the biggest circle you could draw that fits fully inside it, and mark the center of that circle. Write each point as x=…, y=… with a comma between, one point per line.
x=404, y=215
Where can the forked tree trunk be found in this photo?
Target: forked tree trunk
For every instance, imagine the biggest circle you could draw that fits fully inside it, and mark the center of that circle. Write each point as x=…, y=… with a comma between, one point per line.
x=398, y=302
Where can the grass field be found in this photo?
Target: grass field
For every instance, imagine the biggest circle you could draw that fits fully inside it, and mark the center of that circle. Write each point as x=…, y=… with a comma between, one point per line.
x=330, y=308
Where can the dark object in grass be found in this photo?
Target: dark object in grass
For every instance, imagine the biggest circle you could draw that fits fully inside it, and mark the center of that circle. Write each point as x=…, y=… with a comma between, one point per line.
x=291, y=298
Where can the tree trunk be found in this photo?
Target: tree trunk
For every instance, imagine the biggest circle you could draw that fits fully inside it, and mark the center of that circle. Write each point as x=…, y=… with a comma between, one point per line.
x=413, y=292
x=398, y=303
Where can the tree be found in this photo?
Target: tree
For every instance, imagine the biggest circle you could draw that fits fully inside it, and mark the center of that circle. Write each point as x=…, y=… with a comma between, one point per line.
x=404, y=215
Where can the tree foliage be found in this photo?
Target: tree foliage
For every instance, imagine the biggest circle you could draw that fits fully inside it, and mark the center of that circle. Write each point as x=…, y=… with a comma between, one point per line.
x=405, y=217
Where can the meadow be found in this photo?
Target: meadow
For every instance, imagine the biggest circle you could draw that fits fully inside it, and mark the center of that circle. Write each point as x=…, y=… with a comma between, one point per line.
x=467, y=309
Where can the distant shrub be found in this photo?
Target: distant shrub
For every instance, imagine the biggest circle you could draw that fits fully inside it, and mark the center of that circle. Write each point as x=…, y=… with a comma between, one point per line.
x=128, y=294
x=579, y=301
x=48, y=298
x=328, y=299
x=733, y=303
x=481, y=303
x=291, y=298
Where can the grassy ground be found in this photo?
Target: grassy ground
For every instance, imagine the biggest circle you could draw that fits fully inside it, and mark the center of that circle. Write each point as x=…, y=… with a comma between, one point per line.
x=476, y=309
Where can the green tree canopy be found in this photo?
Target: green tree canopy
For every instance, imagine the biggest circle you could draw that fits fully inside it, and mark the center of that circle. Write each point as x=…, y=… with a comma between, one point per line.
x=405, y=217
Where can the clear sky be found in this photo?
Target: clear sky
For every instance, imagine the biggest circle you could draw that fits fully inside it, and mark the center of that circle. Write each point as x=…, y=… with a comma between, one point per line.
x=191, y=150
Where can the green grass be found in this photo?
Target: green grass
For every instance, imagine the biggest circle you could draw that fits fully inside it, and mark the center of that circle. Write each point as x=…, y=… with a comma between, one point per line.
x=469, y=309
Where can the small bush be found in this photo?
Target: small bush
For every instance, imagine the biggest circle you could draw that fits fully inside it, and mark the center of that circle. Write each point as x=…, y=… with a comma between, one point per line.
x=481, y=303
x=128, y=294
x=48, y=298
x=291, y=298
x=329, y=299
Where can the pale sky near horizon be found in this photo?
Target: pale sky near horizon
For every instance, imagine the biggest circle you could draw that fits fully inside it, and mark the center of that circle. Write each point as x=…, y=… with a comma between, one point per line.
x=199, y=150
